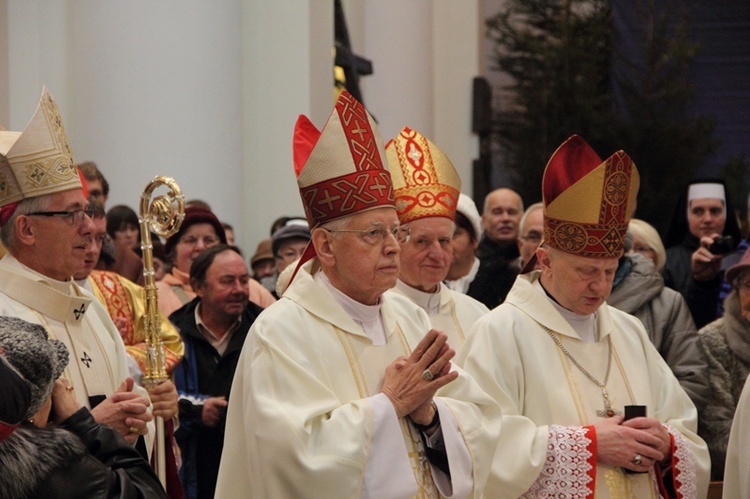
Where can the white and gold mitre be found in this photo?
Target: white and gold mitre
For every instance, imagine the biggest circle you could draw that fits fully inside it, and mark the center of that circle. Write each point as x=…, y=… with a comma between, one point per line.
x=37, y=161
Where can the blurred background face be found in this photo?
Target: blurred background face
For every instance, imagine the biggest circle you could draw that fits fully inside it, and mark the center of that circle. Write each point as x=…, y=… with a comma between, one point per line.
x=426, y=257
x=503, y=211
x=126, y=236
x=196, y=238
x=706, y=217
x=463, y=246
x=93, y=248
x=743, y=286
x=531, y=235
x=289, y=252
x=96, y=191
x=264, y=268
x=640, y=246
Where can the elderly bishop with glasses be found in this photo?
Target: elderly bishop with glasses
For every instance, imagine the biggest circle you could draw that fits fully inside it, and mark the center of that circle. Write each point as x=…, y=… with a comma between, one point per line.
x=342, y=388
x=46, y=226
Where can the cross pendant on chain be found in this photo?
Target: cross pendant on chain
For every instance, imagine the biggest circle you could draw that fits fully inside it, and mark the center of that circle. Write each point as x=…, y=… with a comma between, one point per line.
x=608, y=410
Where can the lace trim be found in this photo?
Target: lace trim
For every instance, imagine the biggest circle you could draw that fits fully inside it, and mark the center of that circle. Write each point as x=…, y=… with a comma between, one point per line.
x=568, y=471
x=683, y=466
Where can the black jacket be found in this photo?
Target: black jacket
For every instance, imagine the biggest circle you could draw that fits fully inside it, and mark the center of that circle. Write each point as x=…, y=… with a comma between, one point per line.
x=80, y=459
x=202, y=373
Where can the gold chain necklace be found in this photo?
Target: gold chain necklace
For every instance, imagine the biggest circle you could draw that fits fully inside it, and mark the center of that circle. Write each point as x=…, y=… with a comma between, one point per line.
x=608, y=411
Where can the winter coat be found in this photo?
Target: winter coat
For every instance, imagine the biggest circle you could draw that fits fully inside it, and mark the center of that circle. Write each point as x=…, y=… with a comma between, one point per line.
x=667, y=320
x=80, y=459
x=726, y=343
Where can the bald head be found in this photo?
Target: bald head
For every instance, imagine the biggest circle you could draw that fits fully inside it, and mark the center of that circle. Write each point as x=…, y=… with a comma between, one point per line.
x=502, y=212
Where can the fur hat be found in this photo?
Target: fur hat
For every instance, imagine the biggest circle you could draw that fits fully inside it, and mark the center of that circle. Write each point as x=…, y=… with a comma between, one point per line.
x=38, y=359
x=195, y=215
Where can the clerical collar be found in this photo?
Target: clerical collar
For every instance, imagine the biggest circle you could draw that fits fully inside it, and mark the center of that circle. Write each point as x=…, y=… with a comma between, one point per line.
x=584, y=325
x=85, y=284
x=429, y=302
x=367, y=316
x=61, y=286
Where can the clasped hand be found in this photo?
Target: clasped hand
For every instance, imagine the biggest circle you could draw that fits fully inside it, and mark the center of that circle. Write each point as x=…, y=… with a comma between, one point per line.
x=125, y=411
x=405, y=384
x=618, y=442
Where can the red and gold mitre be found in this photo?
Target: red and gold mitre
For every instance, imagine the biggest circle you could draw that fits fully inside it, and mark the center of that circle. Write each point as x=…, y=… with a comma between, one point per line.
x=424, y=181
x=340, y=168
x=37, y=161
x=588, y=202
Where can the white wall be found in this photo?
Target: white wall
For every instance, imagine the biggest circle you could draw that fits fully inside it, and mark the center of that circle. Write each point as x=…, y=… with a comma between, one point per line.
x=208, y=91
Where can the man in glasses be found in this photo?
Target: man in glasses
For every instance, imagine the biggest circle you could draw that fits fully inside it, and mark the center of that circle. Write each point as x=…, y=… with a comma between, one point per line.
x=426, y=188
x=342, y=388
x=47, y=226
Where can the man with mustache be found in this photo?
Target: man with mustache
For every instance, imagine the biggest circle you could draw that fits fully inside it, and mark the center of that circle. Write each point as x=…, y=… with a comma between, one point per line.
x=213, y=327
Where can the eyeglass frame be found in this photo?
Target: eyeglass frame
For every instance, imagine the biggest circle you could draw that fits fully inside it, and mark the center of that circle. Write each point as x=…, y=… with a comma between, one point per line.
x=382, y=232
x=76, y=217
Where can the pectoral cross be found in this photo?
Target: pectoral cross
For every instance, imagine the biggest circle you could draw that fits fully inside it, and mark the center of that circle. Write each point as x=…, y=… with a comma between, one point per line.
x=608, y=411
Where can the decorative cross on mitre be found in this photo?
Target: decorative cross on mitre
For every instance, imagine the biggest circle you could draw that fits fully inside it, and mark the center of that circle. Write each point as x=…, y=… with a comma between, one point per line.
x=424, y=181
x=37, y=161
x=340, y=168
x=588, y=202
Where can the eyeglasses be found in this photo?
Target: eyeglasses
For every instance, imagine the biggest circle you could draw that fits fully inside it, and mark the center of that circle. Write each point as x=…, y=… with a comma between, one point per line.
x=208, y=241
x=74, y=217
x=376, y=235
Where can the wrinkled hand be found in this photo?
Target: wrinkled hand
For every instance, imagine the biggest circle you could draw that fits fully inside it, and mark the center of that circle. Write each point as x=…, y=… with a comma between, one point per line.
x=164, y=400
x=64, y=402
x=123, y=411
x=213, y=407
x=122, y=326
x=618, y=442
x=705, y=265
x=405, y=386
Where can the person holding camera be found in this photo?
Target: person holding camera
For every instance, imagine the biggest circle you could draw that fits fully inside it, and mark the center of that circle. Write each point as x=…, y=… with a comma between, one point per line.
x=213, y=326
x=700, y=235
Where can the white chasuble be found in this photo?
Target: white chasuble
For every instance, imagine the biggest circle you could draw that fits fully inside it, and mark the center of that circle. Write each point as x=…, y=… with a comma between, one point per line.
x=736, y=476
x=306, y=419
x=547, y=444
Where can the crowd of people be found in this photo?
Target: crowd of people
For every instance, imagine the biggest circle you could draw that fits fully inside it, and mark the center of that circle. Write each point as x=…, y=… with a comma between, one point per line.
x=391, y=342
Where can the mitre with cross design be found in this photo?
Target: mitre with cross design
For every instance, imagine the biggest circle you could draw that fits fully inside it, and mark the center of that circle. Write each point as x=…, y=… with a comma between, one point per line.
x=37, y=161
x=588, y=202
x=340, y=168
x=425, y=183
